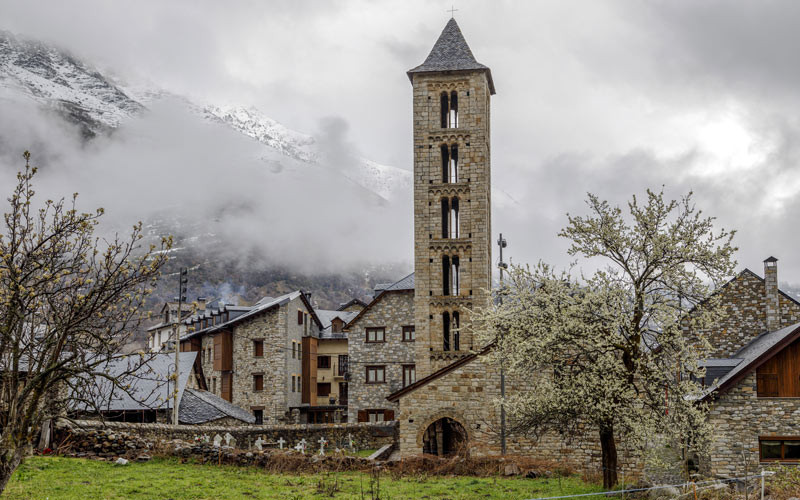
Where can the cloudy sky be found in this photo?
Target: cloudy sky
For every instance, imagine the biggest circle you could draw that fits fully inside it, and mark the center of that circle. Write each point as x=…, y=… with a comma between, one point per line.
x=608, y=97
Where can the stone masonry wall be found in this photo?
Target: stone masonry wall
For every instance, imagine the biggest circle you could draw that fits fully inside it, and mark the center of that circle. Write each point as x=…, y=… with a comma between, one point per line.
x=738, y=418
x=118, y=438
x=467, y=395
x=269, y=327
x=745, y=317
x=393, y=311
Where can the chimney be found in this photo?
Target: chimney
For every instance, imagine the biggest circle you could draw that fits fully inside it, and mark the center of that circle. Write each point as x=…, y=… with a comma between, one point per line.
x=771, y=295
x=201, y=303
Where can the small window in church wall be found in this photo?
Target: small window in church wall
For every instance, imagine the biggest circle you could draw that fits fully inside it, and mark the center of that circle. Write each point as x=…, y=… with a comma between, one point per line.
x=445, y=150
x=445, y=109
x=453, y=174
x=445, y=218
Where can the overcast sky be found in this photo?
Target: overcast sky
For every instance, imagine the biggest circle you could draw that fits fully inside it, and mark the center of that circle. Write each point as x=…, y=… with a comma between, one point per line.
x=609, y=97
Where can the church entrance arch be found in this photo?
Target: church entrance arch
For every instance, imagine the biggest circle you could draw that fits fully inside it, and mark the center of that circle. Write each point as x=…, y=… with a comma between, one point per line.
x=444, y=437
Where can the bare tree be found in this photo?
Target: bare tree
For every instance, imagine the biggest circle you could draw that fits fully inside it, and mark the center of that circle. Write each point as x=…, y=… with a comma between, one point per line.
x=68, y=303
x=612, y=350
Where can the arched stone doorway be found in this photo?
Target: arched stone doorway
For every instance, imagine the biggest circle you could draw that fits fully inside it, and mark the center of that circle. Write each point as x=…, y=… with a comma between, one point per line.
x=444, y=437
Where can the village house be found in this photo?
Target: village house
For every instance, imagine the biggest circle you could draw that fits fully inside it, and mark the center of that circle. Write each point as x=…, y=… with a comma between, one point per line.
x=381, y=351
x=162, y=334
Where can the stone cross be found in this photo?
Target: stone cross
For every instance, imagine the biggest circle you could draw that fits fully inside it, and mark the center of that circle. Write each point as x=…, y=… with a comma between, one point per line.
x=229, y=439
x=351, y=442
x=281, y=442
x=217, y=441
x=259, y=444
x=206, y=439
x=322, y=442
x=301, y=446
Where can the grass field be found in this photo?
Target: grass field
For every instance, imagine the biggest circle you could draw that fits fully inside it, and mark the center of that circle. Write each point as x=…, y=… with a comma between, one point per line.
x=74, y=479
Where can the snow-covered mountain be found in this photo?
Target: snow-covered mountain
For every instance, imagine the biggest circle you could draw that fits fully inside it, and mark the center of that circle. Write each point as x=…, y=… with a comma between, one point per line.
x=58, y=80
x=98, y=105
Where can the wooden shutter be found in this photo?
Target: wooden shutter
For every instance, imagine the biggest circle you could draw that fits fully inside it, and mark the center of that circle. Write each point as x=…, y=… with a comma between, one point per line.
x=218, y=352
x=299, y=317
x=362, y=416
x=388, y=414
x=767, y=385
x=227, y=379
x=258, y=347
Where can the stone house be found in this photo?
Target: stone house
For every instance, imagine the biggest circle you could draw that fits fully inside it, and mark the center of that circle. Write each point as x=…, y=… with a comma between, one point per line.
x=255, y=359
x=381, y=347
x=753, y=376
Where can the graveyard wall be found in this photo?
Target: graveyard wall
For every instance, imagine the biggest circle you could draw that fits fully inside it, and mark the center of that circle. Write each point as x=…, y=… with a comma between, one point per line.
x=110, y=439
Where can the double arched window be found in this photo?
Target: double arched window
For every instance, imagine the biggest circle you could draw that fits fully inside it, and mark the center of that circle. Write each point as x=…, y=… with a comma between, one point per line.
x=449, y=114
x=450, y=222
x=449, y=163
x=450, y=275
x=451, y=331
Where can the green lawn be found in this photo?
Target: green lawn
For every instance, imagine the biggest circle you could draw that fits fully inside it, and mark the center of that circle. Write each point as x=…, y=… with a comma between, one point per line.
x=72, y=478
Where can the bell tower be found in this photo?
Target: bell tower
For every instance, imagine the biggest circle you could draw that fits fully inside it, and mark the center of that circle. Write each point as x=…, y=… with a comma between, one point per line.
x=452, y=199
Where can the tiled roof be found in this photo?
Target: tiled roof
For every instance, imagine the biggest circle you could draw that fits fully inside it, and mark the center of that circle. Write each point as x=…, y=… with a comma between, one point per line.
x=451, y=53
x=199, y=407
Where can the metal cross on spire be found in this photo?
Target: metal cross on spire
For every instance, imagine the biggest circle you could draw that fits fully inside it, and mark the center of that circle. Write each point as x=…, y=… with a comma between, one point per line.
x=452, y=11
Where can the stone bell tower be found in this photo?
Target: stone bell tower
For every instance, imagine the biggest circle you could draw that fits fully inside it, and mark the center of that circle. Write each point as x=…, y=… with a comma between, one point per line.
x=452, y=203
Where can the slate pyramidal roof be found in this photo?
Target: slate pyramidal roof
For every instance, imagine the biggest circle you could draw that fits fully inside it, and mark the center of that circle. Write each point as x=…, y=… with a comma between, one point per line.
x=451, y=53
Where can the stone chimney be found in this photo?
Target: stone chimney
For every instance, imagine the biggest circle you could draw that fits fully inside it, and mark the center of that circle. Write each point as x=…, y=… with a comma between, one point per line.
x=771, y=294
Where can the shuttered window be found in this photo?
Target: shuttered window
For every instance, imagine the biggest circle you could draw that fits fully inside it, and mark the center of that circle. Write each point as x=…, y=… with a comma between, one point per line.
x=258, y=382
x=258, y=348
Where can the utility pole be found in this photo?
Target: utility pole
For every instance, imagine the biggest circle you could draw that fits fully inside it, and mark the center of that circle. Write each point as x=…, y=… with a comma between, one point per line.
x=183, y=280
x=501, y=242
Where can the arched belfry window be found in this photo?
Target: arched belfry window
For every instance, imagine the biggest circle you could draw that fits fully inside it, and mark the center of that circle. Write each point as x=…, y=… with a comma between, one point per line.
x=445, y=275
x=450, y=222
x=455, y=325
x=446, y=331
x=449, y=109
x=445, y=109
x=453, y=118
x=449, y=163
x=454, y=276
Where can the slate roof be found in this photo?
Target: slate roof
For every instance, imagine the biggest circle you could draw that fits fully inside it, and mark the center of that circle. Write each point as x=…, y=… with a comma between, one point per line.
x=263, y=305
x=149, y=382
x=345, y=305
x=199, y=407
x=752, y=355
x=451, y=53
x=403, y=284
x=326, y=317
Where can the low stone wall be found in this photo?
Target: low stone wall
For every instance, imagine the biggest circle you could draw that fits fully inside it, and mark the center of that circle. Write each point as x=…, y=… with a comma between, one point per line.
x=109, y=439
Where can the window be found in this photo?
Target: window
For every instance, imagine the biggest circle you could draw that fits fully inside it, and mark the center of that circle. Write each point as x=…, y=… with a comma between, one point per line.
x=323, y=361
x=409, y=334
x=214, y=385
x=336, y=325
x=454, y=326
x=376, y=374
x=445, y=275
x=344, y=362
x=454, y=218
x=376, y=334
x=409, y=375
x=259, y=416
x=258, y=348
x=446, y=331
x=323, y=389
x=299, y=317
x=294, y=349
x=375, y=415
x=780, y=448
x=449, y=156
x=449, y=109
x=454, y=276
x=258, y=382
x=294, y=387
